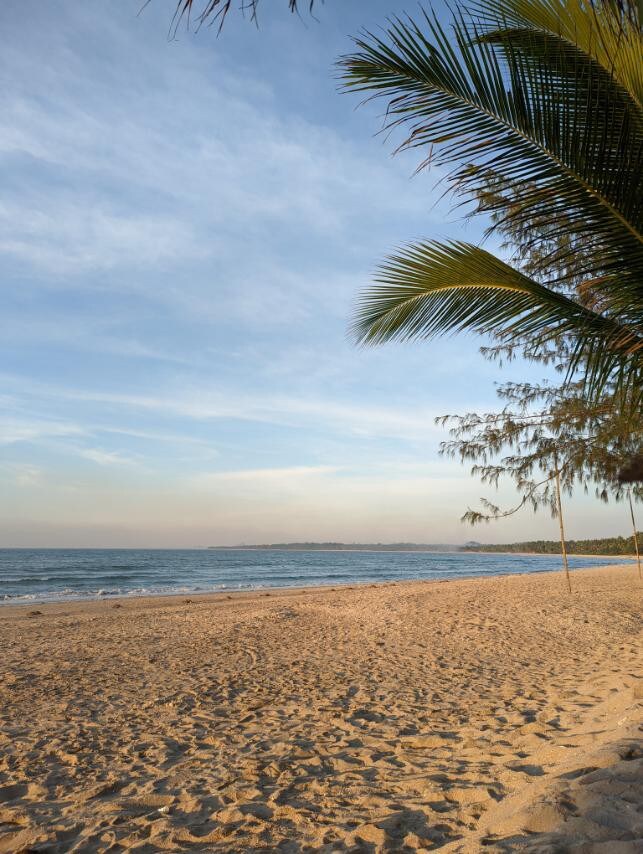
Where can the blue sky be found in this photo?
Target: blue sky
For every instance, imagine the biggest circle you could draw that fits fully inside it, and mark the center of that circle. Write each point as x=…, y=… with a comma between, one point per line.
x=185, y=224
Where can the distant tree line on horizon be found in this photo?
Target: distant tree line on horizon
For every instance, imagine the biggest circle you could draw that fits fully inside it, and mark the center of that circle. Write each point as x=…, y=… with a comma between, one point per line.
x=355, y=547
x=604, y=546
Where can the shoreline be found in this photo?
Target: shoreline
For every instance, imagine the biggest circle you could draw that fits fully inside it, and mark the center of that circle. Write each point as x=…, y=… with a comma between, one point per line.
x=257, y=592
x=489, y=713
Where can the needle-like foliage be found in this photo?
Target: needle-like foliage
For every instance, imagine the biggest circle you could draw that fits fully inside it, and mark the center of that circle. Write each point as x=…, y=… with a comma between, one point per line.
x=547, y=94
x=542, y=430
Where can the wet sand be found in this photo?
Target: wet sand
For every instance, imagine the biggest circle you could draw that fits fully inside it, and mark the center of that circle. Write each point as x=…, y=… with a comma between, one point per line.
x=494, y=714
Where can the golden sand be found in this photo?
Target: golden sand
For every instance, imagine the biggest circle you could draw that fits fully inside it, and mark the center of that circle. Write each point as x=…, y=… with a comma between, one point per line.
x=482, y=715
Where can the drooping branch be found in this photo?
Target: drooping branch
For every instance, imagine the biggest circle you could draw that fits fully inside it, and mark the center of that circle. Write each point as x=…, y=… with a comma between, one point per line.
x=216, y=11
x=548, y=431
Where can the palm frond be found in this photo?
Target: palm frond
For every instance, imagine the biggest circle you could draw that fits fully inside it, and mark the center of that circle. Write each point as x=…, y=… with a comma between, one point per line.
x=602, y=129
x=608, y=32
x=523, y=99
x=576, y=138
x=432, y=288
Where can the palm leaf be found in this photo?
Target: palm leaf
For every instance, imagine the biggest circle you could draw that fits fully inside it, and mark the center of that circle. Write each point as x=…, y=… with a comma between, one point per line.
x=608, y=33
x=532, y=105
x=472, y=105
x=432, y=288
x=601, y=129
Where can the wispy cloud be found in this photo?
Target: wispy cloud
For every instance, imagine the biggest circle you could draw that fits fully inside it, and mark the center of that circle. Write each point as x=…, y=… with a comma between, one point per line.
x=355, y=419
x=63, y=237
x=287, y=475
x=26, y=475
x=14, y=430
x=147, y=186
x=105, y=458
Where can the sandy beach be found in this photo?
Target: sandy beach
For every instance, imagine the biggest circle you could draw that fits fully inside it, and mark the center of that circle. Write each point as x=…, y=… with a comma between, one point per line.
x=497, y=714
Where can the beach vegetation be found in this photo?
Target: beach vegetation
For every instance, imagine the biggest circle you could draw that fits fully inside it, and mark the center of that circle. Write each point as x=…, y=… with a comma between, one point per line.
x=548, y=440
x=601, y=546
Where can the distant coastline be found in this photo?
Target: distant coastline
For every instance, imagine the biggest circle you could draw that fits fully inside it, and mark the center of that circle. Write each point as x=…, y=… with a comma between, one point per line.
x=343, y=547
x=605, y=547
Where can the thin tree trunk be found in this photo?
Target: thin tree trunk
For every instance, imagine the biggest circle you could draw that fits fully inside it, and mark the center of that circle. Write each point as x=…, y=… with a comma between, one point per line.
x=562, y=528
x=636, y=539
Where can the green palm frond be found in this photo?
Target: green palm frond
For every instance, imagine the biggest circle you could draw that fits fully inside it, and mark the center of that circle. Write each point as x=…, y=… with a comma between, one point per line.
x=517, y=95
x=477, y=104
x=595, y=130
x=608, y=32
x=433, y=288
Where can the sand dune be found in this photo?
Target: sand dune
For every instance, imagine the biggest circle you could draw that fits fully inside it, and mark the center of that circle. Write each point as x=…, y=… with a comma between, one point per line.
x=496, y=715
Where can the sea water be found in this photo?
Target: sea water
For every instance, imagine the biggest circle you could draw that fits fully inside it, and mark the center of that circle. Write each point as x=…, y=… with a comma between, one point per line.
x=41, y=575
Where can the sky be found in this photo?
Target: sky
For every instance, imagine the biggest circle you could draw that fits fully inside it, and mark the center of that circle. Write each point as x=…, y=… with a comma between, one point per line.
x=185, y=225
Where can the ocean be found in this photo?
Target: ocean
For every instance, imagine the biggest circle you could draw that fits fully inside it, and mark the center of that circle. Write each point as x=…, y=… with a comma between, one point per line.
x=50, y=575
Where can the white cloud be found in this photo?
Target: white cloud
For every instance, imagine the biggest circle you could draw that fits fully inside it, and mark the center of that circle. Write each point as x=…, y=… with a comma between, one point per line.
x=14, y=430
x=353, y=419
x=27, y=475
x=105, y=458
x=157, y=436
x=76, y=237
x=285, y=475
x=93, y=334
